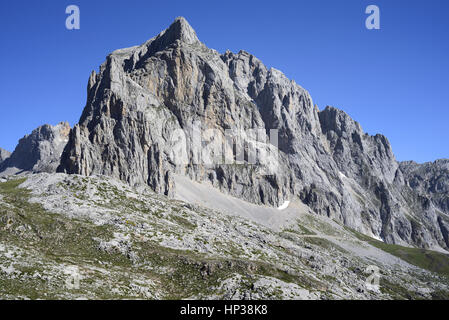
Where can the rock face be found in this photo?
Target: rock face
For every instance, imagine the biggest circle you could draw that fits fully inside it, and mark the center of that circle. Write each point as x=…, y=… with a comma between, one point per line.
x=39, y=151
x=430, y=184
x=431, y=179
x=172, y=105
x=4, y=154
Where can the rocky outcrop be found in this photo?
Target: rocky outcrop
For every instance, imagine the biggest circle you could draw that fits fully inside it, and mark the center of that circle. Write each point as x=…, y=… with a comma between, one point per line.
x=39, y=151
x=356, y=153
x=429, y=183
x=4, y=154
x=431, y=179
x=173, y=106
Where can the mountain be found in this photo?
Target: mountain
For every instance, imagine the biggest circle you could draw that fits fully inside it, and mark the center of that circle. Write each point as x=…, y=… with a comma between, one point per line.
x=4, y=154
x=39, y=151
x=198, y=175
x=148, y=104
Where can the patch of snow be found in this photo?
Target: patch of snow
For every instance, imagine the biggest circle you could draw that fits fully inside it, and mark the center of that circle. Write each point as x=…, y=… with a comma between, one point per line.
x=378, y=238
x=210, y=197
x=284, y=206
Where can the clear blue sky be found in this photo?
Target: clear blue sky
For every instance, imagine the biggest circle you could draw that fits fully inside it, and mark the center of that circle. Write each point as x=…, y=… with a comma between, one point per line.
x=394, y=81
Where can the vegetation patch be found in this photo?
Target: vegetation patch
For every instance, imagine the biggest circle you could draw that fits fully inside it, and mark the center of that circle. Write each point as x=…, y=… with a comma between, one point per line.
x=425, y=259
x=324, y=243
x=396, y=291
x=301, y=230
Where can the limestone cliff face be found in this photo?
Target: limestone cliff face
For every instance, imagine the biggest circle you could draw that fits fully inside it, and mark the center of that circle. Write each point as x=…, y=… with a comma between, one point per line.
x=429, y=183
x=39, y=151
x=431, y=178
x=4, y=154
x=148, y=103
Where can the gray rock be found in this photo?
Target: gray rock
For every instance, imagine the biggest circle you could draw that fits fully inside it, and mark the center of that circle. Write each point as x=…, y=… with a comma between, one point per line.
x=143, y=96
x=39, y=151
x=4, y=154
x=126, y=239
x=431, y=178
x=427, y=187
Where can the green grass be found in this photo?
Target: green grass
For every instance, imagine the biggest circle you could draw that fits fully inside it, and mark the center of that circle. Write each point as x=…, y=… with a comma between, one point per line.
x=9, y=188
x=425, y=259
x=302, y=230
x=397, y=292
x=183, y=222
x=48, y=239
x=318, y=224
x=440, y=295
x=324, y=243
x=55, y=235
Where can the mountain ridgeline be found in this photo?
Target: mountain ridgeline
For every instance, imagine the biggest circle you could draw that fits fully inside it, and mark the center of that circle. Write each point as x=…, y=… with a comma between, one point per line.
x=143, y=94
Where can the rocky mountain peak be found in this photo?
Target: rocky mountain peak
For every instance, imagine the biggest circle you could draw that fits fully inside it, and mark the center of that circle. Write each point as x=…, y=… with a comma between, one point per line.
x=144, y=94
x=180, y=30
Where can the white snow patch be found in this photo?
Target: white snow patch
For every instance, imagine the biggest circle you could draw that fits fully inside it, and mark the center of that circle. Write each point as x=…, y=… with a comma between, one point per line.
x=284, y=206
x=210, y=197
x=341, y=174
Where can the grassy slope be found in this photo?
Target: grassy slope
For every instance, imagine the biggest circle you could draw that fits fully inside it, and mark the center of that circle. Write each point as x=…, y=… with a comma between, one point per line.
x=426, y=259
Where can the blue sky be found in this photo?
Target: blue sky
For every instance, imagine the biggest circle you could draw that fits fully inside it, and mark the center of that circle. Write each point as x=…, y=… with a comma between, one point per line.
x=394, y=81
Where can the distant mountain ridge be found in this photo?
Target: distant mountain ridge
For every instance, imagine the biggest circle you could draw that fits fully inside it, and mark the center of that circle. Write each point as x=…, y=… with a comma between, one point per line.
x=39, y=151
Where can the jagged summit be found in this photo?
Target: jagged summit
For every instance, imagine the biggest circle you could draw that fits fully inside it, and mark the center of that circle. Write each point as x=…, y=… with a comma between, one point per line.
x=178, y=34
x=179, y=30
